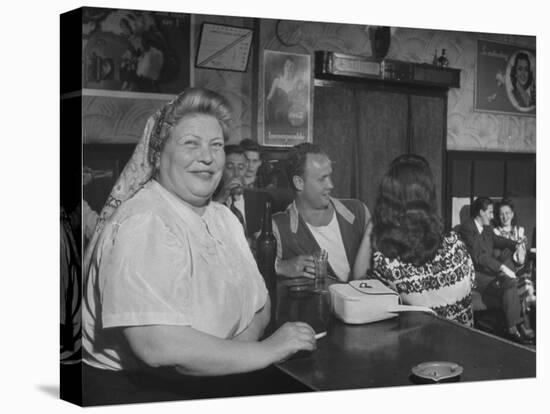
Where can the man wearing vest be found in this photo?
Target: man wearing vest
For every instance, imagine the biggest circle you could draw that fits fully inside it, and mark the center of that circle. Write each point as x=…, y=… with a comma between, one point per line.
x=317, y=221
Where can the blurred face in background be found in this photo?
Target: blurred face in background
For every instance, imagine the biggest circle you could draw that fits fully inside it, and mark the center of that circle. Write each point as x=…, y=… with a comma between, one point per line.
x=254, y=162
x=486, y=215
x=235, y=167
x=506, y=214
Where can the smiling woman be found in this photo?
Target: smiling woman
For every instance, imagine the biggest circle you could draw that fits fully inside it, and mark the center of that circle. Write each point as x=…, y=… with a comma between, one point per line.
x=522, y=91
x=191, y=163
x=172, y=289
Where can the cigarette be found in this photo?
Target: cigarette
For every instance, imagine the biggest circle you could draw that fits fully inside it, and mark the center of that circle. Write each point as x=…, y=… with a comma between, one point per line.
x=320, y=335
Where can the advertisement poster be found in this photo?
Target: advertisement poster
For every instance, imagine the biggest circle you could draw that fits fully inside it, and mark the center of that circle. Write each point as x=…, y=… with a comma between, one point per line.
x=505, y=79
x=287, y=99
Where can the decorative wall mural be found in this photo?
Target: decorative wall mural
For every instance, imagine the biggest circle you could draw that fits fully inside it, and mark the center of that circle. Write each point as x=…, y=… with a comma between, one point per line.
x=135, y=51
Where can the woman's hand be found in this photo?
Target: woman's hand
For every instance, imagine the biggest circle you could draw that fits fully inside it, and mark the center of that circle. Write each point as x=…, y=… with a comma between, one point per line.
x=291, y=338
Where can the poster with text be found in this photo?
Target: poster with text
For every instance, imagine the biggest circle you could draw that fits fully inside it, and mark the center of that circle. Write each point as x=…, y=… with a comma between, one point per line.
x=505, y=79
x=287, y=99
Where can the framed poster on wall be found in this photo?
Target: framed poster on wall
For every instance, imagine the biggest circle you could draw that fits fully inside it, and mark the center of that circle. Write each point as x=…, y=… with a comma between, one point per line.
x=286, y=104
x=130, y=52
x=505, y=79
x=224, y=47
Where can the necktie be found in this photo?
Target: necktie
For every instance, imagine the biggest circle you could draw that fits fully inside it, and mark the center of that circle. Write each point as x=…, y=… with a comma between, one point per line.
x=237, y=212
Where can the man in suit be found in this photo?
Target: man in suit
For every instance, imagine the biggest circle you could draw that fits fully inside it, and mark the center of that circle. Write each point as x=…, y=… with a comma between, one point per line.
x=317, y=221
x=495, y=274
x=247, y=204
x=252, y=152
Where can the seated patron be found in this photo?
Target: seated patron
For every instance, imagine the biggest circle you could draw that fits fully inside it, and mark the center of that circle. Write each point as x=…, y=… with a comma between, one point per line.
x=411, y=255
x=495, y=273
x=253, y=155
x=172, y=291
x=507, y=226
x=315, y=220
x=247, y=204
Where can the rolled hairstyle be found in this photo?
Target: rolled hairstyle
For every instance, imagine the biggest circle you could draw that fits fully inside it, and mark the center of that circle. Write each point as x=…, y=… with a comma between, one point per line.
x=191, y=101
x=406, y=220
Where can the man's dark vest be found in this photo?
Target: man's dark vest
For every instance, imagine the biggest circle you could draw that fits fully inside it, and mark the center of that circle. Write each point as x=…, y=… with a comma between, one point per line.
x=296, y=238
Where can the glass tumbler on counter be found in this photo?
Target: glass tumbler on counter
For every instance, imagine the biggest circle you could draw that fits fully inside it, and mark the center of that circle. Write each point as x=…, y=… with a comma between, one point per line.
x=320, y=259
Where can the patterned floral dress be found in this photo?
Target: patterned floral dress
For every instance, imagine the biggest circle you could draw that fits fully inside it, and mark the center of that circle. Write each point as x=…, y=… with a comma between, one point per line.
x=443, y=284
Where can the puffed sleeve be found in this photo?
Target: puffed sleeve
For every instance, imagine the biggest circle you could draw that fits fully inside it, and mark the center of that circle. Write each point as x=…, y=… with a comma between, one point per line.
x=144, y=275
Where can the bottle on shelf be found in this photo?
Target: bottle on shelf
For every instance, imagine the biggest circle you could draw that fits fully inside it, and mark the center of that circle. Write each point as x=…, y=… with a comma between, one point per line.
x=442, y=60
x=434, y=61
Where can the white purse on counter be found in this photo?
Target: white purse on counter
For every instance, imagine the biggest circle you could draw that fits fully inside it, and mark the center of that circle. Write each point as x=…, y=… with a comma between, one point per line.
x=365, y=301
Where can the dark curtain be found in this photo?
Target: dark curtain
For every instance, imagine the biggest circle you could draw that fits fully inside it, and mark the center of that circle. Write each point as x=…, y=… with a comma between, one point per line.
x=363, y=130
x=335, y=130
x=382, y=133
x=429, y=127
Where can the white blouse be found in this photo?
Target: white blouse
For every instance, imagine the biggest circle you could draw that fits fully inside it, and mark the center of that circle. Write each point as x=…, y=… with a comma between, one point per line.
x=160, y=263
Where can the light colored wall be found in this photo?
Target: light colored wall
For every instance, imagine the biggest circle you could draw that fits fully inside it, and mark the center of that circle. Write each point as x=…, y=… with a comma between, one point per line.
x=235, y=86
x=122, y=120
x=466, y=129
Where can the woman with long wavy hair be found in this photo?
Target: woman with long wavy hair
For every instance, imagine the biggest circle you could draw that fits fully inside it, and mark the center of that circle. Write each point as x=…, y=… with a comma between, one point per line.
x=411, y=254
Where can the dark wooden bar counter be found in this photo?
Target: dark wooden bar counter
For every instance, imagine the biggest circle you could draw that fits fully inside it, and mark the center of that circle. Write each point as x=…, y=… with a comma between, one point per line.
x=381, y=354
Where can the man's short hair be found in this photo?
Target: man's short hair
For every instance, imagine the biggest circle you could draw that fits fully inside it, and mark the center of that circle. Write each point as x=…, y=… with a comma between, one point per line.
x=480, y=204
x=249, y=145
x=297, y=157
x=233, y=149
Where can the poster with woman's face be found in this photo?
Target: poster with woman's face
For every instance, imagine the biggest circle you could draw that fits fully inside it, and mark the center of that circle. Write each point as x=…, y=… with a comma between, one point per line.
x=505, y=79
x=287, y=110
x=520, y=81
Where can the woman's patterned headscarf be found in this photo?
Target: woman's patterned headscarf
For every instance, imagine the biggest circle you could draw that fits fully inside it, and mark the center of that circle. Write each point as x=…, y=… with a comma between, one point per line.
x=142, y=165
x=140, y=168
